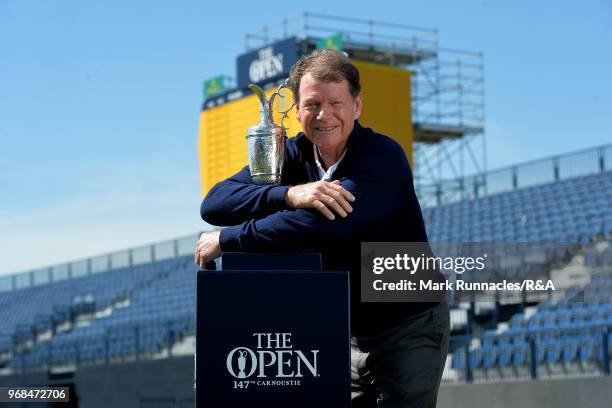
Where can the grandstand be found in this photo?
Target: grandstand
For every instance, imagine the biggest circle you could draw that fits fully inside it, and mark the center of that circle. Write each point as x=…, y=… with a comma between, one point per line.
x=556, y=211
x=131, y=314
x=564, y=337
x=99, y=318
x=143, y=308
x=570, y=337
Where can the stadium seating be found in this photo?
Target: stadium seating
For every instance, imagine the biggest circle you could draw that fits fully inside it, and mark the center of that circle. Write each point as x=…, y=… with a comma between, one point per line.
x=144, y=310
x=568, y=336
x=569, y=333
x=111, y=315
x=556, y=211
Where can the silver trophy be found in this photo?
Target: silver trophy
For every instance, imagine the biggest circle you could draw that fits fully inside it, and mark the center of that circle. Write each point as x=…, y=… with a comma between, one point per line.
x=266, y=141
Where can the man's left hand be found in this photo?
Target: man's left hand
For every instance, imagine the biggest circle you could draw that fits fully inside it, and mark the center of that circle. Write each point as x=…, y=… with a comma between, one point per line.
x=207, y=248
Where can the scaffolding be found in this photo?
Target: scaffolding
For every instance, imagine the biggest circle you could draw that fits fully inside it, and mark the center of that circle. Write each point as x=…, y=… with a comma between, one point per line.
x=449, y=125
x=447, y=93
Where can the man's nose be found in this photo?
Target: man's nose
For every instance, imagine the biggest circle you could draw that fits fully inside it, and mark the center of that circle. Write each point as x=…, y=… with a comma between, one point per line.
x=323, y=113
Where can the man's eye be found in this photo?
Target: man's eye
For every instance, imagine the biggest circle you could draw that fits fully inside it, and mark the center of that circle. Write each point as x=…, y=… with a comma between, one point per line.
x=338, y=103
x=312, y=106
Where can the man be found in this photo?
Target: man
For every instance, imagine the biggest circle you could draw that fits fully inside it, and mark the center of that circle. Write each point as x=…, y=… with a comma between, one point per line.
x=342, y=184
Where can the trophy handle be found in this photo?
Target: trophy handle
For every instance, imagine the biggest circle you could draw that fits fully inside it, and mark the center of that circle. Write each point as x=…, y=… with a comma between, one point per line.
x=285, y=113
x=266, y=105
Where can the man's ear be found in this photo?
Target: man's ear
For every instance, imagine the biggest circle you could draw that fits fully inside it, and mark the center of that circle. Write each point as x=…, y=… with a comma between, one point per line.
x=297, y=113
x=358, y=105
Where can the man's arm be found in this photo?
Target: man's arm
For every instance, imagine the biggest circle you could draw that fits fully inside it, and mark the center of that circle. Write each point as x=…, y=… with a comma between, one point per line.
x=237, y=199
x=377, y=197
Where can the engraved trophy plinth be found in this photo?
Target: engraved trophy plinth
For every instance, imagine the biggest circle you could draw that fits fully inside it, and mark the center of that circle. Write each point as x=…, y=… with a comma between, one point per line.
x=266, y=142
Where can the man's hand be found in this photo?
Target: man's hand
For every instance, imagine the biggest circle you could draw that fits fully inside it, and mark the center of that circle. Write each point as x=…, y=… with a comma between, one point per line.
x=207, y=248
x=323, y=196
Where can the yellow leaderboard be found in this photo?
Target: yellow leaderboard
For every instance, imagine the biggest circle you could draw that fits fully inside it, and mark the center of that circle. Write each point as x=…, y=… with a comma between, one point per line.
x=222, y=147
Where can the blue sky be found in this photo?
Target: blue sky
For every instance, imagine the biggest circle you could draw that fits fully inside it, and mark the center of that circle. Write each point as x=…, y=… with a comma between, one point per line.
x=99, y=103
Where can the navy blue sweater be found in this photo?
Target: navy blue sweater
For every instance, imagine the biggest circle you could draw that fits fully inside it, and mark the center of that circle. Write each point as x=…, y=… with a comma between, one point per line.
x=375, y=170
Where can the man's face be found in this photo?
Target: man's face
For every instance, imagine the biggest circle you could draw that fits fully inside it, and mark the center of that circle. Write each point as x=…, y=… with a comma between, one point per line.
x=326, y=112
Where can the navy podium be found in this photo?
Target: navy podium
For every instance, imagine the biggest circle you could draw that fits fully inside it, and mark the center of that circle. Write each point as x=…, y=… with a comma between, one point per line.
x=272, y=331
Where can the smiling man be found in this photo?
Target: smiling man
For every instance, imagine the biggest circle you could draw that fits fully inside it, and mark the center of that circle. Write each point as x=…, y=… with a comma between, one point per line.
x=342, y=184
x=327, y=111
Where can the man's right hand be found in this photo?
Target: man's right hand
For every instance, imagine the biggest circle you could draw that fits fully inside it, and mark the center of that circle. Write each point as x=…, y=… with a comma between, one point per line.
x=323, y=196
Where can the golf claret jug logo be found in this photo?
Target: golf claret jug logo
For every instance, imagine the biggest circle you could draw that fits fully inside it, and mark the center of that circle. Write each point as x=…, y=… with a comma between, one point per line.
x=271, y=362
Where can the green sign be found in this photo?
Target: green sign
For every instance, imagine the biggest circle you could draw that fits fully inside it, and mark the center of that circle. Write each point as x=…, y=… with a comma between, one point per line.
x=335, y=42
x=214, y=86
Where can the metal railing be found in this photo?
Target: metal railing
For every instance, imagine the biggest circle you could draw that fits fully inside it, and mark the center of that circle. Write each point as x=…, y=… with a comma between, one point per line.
x=97, y=264
x=448, y=93
x=367, y=32
x=537, y=172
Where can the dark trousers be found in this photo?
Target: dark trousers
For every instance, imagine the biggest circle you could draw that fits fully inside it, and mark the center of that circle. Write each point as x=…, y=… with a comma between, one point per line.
x=401, y=367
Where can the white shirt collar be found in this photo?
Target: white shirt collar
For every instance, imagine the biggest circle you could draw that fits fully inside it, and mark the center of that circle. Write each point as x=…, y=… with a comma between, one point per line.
x=326, y=175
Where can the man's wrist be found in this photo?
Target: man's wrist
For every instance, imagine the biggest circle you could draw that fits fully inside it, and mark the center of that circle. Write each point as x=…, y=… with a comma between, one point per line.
x=287, y=202
x=277, y=197
x=229, y=239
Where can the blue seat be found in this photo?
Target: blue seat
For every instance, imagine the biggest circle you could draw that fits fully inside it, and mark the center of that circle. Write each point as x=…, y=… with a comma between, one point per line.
x=504, y=357
x=519, y=356
x=489, y=356
x=476, y=359
x=570, y=351
x=552, y=353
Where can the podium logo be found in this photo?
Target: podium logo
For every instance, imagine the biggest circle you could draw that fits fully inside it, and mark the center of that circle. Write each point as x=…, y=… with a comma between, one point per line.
x=272, y=356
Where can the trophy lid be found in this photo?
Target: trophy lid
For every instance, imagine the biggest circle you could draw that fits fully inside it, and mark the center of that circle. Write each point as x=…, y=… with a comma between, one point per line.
x=266, y=123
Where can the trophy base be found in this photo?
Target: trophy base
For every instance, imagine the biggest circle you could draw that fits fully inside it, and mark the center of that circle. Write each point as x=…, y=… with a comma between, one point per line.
x=263, y=178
